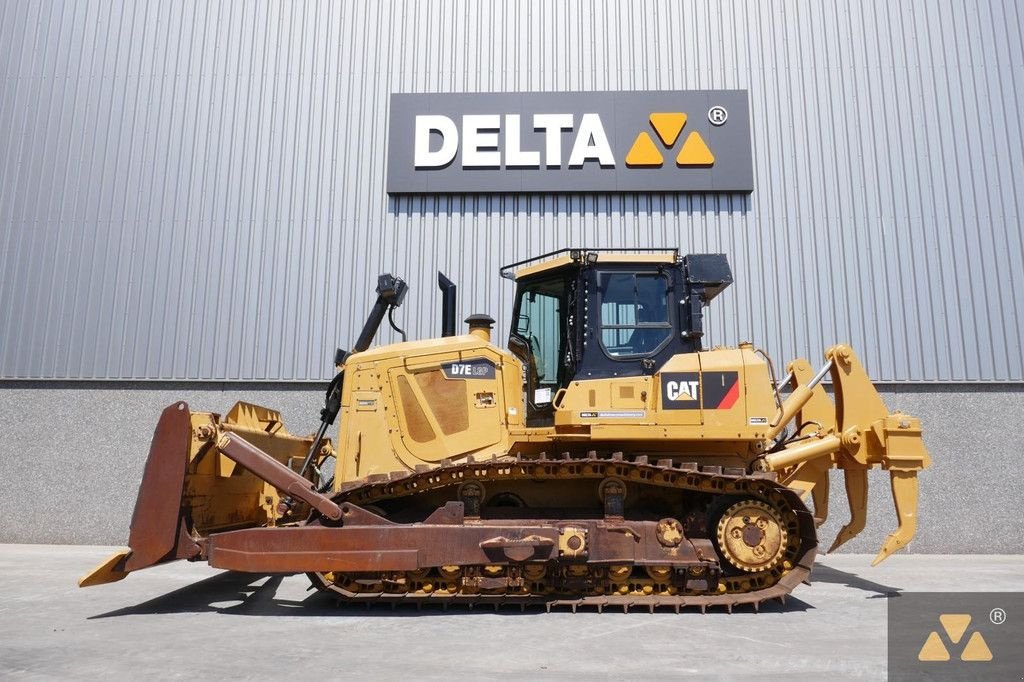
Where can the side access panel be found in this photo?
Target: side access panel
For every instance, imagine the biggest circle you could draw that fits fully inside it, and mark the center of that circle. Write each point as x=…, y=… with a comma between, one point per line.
x=447, y=405
x=727, y=392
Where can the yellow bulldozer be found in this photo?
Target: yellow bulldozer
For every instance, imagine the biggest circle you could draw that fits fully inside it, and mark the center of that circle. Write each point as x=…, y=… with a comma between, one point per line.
x=603, y=458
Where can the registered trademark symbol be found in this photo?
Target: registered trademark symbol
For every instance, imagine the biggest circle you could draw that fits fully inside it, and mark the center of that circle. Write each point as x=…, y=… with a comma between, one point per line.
x=718, y=115
x=997, y=616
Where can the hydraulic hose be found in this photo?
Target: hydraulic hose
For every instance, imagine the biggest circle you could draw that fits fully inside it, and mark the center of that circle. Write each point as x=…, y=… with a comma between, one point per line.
x=332, y=406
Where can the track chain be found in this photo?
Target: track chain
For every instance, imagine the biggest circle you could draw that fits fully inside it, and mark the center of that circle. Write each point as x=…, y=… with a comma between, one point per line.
x=748, y=589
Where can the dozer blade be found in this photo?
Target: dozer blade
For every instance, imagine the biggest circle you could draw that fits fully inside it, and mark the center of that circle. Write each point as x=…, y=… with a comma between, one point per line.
x=158, y=531
x=203, y=477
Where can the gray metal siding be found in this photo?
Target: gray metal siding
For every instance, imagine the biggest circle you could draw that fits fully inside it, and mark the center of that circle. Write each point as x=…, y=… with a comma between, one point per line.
x=195, y=190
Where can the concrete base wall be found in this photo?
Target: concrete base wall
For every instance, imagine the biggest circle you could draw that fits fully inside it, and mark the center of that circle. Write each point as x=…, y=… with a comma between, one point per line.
x=71, y=457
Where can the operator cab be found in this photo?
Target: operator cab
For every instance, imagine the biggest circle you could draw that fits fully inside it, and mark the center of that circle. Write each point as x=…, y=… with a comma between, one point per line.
x=595, y=314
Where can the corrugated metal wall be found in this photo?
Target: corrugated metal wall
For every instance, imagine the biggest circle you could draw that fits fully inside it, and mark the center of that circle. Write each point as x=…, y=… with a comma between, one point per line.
x=195, y=190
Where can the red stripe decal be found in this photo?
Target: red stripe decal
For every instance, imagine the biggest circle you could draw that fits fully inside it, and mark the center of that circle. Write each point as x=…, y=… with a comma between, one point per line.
x=730, y=398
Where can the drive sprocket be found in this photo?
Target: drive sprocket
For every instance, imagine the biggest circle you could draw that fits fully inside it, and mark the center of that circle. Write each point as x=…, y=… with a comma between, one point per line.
x=751, y=536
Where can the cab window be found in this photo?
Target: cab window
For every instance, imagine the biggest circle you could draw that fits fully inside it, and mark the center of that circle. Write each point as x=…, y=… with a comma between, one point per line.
x=634, y=313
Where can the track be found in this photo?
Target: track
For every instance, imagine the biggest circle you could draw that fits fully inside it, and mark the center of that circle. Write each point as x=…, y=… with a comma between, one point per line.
x=590, y=586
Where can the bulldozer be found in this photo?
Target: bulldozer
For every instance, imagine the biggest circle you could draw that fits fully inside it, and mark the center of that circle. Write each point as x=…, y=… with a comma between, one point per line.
x=602, y=458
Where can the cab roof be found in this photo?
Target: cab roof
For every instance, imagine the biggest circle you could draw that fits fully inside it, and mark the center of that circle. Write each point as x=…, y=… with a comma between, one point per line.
x=563, y=257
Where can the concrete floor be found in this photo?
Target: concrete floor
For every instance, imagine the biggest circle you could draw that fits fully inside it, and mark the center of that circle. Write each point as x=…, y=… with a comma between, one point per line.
x=190, y=620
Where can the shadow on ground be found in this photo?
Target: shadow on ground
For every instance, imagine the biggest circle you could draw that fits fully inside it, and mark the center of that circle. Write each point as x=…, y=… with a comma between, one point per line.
x=827, y=574
x=247, y=594
x=232, y=593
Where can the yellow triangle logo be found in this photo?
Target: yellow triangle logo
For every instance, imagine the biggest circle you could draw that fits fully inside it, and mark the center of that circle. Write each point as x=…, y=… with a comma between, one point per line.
x=695, y=152
x=643, y=153
x=976, y=649
x=955, y=625
x=668, y=126
x=933, y=649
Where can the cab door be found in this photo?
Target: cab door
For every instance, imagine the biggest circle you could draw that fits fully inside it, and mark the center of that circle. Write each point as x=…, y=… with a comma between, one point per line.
x=539, y=338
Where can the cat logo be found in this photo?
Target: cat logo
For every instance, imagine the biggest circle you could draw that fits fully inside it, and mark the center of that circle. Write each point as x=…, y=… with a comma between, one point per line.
x=645, y=153
x=700, y=390
x=955, y=626
x=682, y=390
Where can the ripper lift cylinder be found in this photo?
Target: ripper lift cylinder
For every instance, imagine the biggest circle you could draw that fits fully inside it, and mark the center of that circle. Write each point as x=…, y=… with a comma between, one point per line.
x=801, y=453
x=795, y=402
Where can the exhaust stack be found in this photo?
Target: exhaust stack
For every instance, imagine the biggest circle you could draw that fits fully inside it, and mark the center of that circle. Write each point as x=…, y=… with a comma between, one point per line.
x=447, y=288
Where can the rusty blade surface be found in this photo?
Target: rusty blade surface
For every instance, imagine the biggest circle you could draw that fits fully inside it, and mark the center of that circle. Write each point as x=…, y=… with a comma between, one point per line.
x=157, y=530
